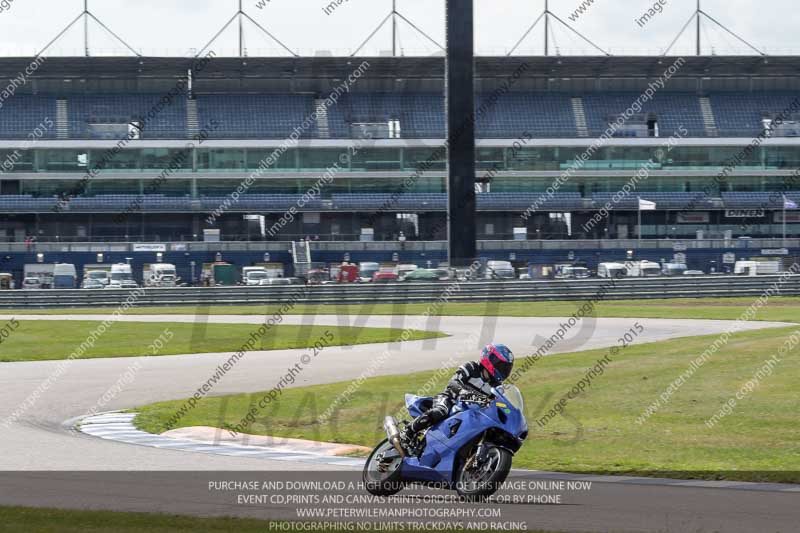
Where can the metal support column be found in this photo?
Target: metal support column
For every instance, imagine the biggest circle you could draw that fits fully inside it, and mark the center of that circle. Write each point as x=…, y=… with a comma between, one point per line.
x=460, y=77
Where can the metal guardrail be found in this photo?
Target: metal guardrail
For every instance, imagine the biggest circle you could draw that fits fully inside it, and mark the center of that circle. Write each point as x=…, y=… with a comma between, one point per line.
x=476, y=291
x=667, y=245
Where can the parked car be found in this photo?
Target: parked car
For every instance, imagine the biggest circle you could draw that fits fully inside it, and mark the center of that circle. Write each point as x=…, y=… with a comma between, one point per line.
x=279, y=281
x=91, y=283
x=445, y=274
x=693, y=273
x=367, y=270
x=318, y=276
x=385, y=277
x=31, y=283
x=673, y=269
x=255, y=277
x=573, y=272
x=403, y=270
x=422, y=274
x=100, y=276
x=499, y=270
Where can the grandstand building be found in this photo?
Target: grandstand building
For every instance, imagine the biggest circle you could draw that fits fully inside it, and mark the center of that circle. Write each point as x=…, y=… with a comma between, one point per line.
x=105, y=150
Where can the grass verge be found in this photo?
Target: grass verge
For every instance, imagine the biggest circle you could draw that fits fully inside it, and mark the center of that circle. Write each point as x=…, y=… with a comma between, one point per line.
x=784, y=309
x=49, y=340
x=597, y=432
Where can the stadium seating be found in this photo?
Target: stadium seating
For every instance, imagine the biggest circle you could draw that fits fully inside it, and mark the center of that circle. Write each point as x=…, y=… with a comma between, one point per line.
x=420, y=115
x=266, y=116
x=22, y=114
x=503, y=201
x=423, y=115
x=26, y=202
x=672, y=111
x=105, y=203
x=416, y=201
x=541, y=115
x=742, y=113
x=757, y=200
x=168, y=123
x=267, y=202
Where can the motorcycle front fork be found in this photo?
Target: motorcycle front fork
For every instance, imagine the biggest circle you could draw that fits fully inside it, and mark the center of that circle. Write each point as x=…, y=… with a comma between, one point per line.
x=479, y=456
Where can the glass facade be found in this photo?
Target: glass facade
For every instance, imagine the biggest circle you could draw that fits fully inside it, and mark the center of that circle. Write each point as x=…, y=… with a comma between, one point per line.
x=403, y=159
x=179, y=164
x=340, y=185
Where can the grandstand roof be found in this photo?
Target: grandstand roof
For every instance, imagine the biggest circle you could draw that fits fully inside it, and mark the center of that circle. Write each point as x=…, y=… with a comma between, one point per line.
x=408, y=68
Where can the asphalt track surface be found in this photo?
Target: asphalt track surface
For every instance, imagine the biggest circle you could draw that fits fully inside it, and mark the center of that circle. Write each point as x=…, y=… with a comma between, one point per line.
x=41, y=441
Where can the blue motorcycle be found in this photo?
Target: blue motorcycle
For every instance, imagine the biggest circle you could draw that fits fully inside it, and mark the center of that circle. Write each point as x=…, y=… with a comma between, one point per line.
x=470, y=451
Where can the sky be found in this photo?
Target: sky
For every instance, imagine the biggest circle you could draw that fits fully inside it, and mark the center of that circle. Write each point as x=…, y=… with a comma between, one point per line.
x=179, y=27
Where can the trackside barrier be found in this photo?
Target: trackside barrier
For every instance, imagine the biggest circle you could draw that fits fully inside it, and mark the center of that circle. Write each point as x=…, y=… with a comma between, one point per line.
x=550, y=290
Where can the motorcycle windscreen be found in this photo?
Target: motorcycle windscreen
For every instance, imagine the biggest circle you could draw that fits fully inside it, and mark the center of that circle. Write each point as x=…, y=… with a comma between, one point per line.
x=514, y=396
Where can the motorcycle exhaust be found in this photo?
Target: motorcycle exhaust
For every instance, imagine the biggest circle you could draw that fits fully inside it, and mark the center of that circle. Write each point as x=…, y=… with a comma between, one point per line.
x=393, y=434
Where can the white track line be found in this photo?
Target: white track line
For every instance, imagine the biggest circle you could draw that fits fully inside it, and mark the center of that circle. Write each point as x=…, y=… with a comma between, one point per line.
x=119, y=427
x=116, y=426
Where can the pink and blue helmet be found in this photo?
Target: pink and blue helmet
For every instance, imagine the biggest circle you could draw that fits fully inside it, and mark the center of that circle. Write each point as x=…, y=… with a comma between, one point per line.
x=498, y=360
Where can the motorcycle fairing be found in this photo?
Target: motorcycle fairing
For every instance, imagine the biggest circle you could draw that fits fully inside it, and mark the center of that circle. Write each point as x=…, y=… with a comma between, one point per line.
x=418, y=404
x=437, y=462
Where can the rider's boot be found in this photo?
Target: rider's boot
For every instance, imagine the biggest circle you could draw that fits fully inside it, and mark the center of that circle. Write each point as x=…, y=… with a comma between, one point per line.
x=410, y=439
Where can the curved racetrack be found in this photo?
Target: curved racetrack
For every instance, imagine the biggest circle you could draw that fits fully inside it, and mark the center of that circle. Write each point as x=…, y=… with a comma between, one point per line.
x=42, y=440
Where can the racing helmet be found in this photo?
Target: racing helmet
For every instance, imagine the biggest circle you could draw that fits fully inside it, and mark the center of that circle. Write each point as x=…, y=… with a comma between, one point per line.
x=498, y=360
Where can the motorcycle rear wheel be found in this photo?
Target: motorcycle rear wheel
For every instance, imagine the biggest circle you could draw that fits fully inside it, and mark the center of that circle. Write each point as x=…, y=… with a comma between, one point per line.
x=380, y=483
x=478, y=483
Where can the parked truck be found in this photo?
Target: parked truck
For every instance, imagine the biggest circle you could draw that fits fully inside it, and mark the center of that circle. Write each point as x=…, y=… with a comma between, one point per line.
x=643, y=269
x=160, y=275
x=611, y=270
x=347, y=273
x=274, y=270
x=219, y=274
x=753, y=268
x=64, y=276
x=121, y=277
x=43, y=272
x=96, y=276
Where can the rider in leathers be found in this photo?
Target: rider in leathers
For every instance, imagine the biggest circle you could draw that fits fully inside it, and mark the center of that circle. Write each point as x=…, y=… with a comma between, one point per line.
x=491, y=370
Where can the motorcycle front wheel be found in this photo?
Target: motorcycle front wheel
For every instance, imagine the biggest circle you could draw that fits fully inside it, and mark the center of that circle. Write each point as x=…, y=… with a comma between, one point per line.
x=476, y=482
x=382, y=479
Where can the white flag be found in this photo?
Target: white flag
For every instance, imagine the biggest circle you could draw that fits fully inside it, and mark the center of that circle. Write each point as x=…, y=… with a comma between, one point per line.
x=645, y=205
